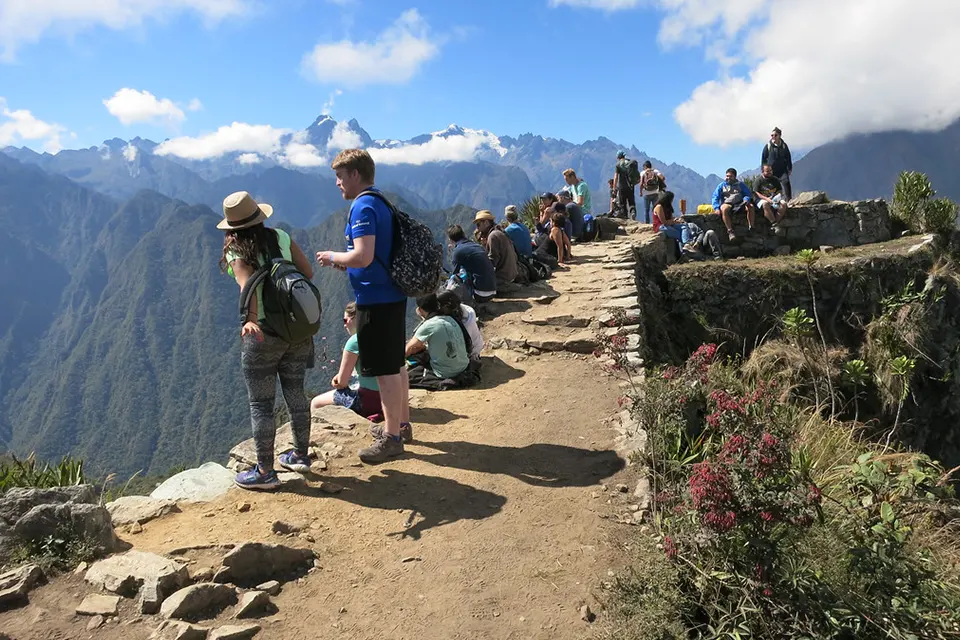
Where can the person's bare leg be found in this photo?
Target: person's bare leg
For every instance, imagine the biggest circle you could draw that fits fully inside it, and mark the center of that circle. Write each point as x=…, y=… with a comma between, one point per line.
x=393, y=400
x=322, y=400
x=782, y=213
x=405, y=406
x=725, y=214
x=750, y=216
x=768, y=212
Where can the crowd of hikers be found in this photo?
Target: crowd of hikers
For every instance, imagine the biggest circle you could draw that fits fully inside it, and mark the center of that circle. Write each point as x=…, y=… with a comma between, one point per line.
x=390, y=257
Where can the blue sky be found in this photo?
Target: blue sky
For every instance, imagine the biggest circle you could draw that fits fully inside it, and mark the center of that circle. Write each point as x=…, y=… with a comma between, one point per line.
x=688, y=81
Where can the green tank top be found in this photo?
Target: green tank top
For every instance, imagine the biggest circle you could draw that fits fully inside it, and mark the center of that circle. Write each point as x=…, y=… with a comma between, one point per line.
x=283, y=239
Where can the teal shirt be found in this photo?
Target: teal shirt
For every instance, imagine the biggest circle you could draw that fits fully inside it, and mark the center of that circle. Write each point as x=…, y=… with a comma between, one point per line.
x=581, y=189
x=283, y=239
x=353, y=346
x=444, y=340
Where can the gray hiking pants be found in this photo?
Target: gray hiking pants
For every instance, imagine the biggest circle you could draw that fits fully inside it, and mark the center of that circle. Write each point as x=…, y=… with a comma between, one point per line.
x=262, y=363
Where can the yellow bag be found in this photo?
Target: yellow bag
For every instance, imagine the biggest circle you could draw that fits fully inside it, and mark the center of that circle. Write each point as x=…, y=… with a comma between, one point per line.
x=704, y=209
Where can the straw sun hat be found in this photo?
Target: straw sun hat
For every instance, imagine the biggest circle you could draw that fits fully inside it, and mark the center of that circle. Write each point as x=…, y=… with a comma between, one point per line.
x=240, y=211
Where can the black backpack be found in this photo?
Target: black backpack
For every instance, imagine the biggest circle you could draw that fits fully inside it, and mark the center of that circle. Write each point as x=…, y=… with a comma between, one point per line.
x=633, y=173
x=416, y=259
x=291, y=302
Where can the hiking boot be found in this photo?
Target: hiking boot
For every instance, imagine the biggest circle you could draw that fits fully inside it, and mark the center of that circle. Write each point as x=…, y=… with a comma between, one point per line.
x=295, y=462
x=406, y=432
x=257, y=480
x=382, y=449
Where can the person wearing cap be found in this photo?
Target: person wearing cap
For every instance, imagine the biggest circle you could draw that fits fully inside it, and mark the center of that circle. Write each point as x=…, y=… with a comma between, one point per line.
x=573, y=211
x=264, y=357
x=471, y=261
x=499, y=247
x=517, y=231
x=579, y=190
x=776, y=153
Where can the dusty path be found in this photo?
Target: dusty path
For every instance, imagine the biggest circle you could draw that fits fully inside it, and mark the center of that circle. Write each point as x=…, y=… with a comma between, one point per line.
x=487, y=528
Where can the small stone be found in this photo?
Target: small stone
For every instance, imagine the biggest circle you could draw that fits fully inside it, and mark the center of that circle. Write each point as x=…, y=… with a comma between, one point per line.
x=272, y=587
x=202, y=574
x=136, y=528
x=190, y=602
x=282, y=528
x=622, y=488
x=307, y=537
x=235, y=632
x=243, y=507
x=318, y=465
x=634, y=508
x=98, y=605
x=174, y=630
x=252, y=603
x=412, y=559
x=639, y=516
x=330, y=488
x=81, y=569
x=342, y=610
x=586, y=615
x=95, y=623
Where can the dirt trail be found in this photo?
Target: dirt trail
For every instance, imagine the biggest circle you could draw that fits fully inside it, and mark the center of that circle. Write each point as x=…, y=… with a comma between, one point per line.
x=487, y=528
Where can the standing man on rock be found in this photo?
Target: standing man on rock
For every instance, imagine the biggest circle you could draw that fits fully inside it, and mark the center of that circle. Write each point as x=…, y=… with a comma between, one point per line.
x=381, y=305
x=776, y=153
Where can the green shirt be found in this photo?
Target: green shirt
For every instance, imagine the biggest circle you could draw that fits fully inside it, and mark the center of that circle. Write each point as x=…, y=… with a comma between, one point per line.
x=581, y=189
x=283, y=239
x=353, y=346
x=444, y=340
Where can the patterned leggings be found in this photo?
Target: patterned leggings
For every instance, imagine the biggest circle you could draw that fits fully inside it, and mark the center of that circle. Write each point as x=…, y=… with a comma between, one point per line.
x=262, y=362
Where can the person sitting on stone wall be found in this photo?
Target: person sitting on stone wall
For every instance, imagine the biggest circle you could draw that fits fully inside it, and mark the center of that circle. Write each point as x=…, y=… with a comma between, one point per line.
x=517, y=231
x=574, y=213
x=669, y=224
x=733, y=196
x=697, y=243
x=502, y=254
x=472, y=262
x=770, y=196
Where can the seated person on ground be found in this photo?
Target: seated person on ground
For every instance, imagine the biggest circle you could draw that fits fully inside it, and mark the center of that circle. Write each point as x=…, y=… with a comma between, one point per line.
x=769, y=192
x=663, y=213
x=733, y=196
x=613, y=198
x=574, y=213
x=472, y=259
x=501, y=251
x=364, y=397
x=555, y=247
x=579, y=191
x=438, y=349
x=549, y=205
x=518, y=232
x=450, y=305
x=699, y=242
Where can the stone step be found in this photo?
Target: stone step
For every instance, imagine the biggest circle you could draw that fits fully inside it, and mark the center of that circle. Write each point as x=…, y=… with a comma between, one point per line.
x=629, y=302
x=557, y=320
x=630, y=318
x=620, y=292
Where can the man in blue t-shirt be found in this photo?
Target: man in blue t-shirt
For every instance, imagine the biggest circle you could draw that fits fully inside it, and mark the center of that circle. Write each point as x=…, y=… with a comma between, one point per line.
x=473, y=259
x=381, y=305
x=517, y=231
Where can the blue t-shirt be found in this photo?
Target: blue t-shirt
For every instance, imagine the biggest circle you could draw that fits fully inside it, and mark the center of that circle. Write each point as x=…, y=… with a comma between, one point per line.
x=475, y=261
x=370, y=216
x=521, y=238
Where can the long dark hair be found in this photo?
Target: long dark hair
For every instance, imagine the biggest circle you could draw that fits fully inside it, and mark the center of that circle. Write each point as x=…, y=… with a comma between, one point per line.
x=666, y=203
x=252, y=245
x=446, y=304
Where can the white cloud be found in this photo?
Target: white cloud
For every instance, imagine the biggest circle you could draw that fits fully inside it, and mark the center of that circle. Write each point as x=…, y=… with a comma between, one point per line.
x=605, y=5
x=343, y=137
x=251, y=141
x=452, y=148
x=130, y=106
x=21, y=127
x=130, y=153
x=821, y=69
x=327, y=107
x=25, y=21
x=393, y=58
x=195, y=105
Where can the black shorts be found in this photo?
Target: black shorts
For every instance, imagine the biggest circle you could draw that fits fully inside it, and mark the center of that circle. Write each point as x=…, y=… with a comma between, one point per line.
x=382, y=338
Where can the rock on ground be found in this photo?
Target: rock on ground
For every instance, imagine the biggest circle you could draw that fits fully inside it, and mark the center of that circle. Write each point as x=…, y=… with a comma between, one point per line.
x=191, y=603
x=98, y=605
x=174, y=630
x=154, y=576
x=207, y=482
x=272, y=587
x=235, y=632
x=251, y=603
x=139, y=509
x=16, y=584
x=251, y=563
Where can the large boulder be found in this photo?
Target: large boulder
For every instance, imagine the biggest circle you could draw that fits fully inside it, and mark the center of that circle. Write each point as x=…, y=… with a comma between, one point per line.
x=808, y=198
x=35, y=514
x=16, y=584
x=253, y=563
x=139, y=509
x=203, y=600
x=154, y=576
x=207, y=482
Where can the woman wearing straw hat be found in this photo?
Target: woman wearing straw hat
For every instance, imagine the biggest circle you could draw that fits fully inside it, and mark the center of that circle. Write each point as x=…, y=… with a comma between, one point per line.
x=247, y=245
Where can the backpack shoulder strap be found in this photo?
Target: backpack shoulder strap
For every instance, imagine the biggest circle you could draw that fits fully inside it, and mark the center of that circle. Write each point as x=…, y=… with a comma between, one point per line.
x=250, y=286
x=379, y=196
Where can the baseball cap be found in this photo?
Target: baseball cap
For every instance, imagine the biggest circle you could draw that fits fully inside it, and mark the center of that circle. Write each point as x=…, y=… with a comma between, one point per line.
x=621, y=154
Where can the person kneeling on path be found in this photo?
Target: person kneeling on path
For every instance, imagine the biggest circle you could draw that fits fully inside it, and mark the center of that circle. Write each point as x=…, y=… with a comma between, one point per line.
x=733, y=196
x=438, y=352
x=471, y=262
x=500, y=249
x=364, y=397
x=264, y=356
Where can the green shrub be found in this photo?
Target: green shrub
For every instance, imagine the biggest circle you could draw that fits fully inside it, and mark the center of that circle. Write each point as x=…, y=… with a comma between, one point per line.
x=915, y=207
x=30, y=473
x=529, y=212
x=62, y=551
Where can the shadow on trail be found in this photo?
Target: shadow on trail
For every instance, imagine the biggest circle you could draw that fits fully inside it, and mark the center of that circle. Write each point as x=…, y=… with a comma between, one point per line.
x=429, y=501
x=433, y=415
x=539, y=464
x=496, y=372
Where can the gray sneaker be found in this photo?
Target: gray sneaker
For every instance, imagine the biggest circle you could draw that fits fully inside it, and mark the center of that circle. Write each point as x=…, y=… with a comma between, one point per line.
x=406, y=432
x=382, y=449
